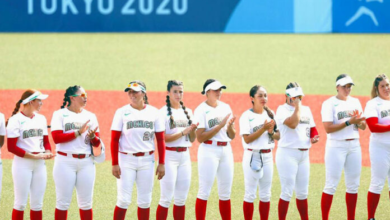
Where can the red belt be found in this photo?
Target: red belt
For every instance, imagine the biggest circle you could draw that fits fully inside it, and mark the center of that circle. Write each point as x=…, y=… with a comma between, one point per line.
x=78, y=156
x=264, y=151
x=219, y=143
x=139, y=154
x=350, y=139
x=303, y=149
x=177, y=149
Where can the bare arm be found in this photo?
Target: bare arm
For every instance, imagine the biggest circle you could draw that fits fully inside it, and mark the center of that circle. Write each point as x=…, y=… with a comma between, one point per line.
x=202, y=135
x=293, y=121
x=1, y=141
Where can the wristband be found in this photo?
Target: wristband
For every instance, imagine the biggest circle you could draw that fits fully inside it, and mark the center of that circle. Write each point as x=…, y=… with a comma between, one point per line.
x=182, y=134
x=77, y=133
x=347, y=123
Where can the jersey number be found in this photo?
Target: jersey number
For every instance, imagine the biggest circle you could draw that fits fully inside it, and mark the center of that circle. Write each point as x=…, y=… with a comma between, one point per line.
x=148, y=136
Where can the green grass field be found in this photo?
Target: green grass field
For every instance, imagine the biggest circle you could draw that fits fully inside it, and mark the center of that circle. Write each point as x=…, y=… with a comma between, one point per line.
x=105, y=196
x=110, y=61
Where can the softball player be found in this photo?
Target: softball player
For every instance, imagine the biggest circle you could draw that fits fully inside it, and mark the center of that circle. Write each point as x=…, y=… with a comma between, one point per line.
x=377, y=113
x=258, y=132
x=297, y=133
x=179, y=135
x=28, y=140
x=74, y=130
x=215, y=156
x=341, y=117
x=2, y=134
x=132, y=147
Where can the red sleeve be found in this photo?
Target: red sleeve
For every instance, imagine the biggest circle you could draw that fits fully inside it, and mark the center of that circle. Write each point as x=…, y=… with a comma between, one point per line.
x=96, y=141
x=161, y=147
x=115, y=135
x=375, y=127
x=46, y=142
x=313, y=132
x=11, y=144
x=59, y=136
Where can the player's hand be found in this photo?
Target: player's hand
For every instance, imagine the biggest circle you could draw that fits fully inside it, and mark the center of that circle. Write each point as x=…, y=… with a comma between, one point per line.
x=315, y=139
x=356, y=117
x=84, y=127
x=43, y=156
x=268, y=125
x=231, y=121
x=224, y=120
x=91, y=133
x=296, y=101
x=116, y=171
x=187, y=130
x=160, y=171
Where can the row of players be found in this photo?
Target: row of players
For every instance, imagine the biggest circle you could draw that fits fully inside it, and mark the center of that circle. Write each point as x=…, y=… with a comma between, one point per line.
x=135, y=126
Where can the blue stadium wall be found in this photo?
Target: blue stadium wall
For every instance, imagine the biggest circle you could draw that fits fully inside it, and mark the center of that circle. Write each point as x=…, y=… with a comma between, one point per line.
x=230, y=16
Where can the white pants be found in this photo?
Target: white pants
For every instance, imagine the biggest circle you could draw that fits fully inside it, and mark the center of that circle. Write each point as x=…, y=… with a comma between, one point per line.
x=215, y=161
x=252, y=182
x=380, y=166
x=177, y=180
x=139, y=170
x=294, y=171
x=341, y=155
x=29, y=177
x=68, y=173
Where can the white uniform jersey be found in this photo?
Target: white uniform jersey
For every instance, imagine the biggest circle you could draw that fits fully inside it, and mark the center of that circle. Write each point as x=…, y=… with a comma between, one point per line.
x=68, y=121
x=2, y=125
x=250, y=122
x=298, y=137
x=29, y=131
x=208, y=117
x=137, y=127
x=379, y=108
x=339, y=111
x=180, y=123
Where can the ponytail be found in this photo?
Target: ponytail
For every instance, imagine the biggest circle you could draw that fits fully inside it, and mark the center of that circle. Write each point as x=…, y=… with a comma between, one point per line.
x=25, y=95
x=69, y=92
x=186, y=112
x=171, y=121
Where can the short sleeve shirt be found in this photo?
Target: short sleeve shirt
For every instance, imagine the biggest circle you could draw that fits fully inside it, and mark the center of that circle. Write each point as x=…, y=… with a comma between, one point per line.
x=137, y=128
x=379, y=108
x=2, y=125
x=180, y=123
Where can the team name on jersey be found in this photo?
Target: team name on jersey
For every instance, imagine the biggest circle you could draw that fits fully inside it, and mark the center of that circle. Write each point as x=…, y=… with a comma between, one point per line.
x=257, y=128
x=385, y=113
x=139, y=124
x=73, y=126
x=215, y=121
x=344, y=114
x=304, y=120
x=32, y=133
x=178, y=123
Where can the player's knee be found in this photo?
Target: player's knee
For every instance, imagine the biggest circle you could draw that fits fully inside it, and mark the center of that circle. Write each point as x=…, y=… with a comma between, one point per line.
x=249, y=198
x=377, y=189
x=62, y=205
x=143, y=205
x=286, y=196
x=19, y=207
x=265, y=198
x=164, y=203
x=123, y=204
x=224, y=197
x=302, y=195
x=85, y=205
x=36, y=207
x=329, y=190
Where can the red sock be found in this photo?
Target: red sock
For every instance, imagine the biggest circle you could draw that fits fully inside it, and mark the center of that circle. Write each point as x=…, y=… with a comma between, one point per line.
x=161, y=213
x=17, y=215
x=326, y=203
x=179, y=212
x=36, y=215
x=303, y=209
x=225, y=209
x=372, y=203
x=60, y=214
x=264, y=210
x=282, y=209
x=248, y=210
x=119, y=213
x=86, y=214
x=351, y=200
x=143, y=214
x=200, y=209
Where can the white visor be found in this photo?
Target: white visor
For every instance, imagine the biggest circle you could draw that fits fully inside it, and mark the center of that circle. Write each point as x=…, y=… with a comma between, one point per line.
x=294, y=92
x=214, y=86
x=36, y=95
x=136, y=87
x=344, y=81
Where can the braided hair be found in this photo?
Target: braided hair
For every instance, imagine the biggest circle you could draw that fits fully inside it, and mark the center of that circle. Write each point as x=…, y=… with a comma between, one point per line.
x=25, y=95
x=292, y=85
x=169, y=86
x=69, y=92
x=378, y=79
x=252, y=94
x=142, y=84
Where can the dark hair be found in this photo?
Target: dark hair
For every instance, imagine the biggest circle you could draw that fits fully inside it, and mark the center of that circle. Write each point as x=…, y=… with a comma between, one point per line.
x=169, y=86
x=69, y=92
x=341, y=76
x=378, y=79
x=206, y=84
x=253, y=92
x=142, y=84
x=25, y=95
x=292, y=85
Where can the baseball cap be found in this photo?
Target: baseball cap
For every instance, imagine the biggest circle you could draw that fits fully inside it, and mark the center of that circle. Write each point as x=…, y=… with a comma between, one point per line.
x=214, y=86
x=344, y=81
x=294, y=92
x=36, y=95
x=136, y=87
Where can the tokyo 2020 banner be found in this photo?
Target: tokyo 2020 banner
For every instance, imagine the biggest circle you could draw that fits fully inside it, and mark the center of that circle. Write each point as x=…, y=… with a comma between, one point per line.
x=231, y=16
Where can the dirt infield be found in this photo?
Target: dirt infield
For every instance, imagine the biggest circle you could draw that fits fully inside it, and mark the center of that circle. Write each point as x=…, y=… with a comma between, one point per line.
x=104, y=104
